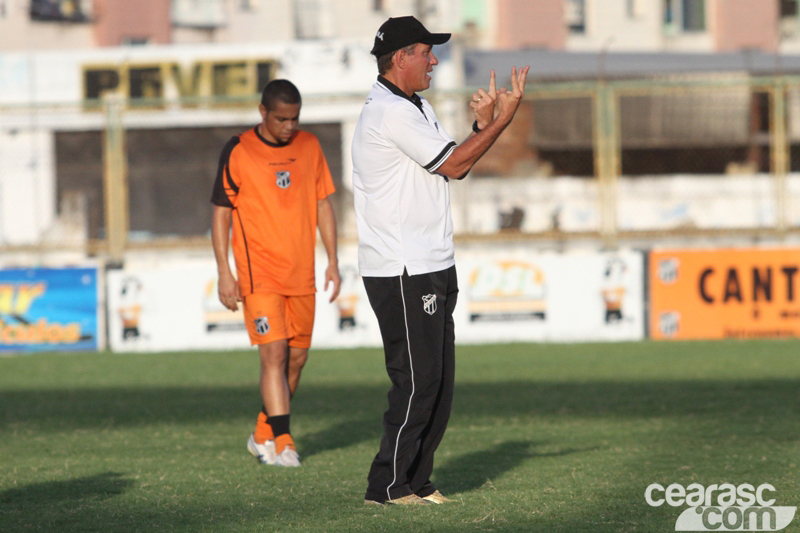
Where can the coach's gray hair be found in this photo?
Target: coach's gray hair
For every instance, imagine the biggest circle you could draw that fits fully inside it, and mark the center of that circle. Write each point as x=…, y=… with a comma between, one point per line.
x=385, y=61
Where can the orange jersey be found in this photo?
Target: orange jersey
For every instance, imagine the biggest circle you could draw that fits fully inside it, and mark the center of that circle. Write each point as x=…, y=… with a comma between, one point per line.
x=273, y=190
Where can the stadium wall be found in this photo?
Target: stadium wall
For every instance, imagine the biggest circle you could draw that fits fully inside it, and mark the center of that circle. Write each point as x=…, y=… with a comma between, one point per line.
x=508, y=293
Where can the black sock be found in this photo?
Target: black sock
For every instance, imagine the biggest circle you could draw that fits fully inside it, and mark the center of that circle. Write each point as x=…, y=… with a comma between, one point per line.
x=280, y=424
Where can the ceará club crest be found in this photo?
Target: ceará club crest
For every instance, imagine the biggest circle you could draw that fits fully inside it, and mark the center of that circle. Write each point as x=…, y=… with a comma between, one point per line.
x=283, y=179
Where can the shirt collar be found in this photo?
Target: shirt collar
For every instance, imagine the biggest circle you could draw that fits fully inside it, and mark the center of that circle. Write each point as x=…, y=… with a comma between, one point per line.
x=270, y=143
x=414, y=98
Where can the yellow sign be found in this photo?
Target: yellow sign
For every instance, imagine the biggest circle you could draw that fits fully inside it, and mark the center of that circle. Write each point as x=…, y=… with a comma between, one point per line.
x=16, y=300
x=168, y=79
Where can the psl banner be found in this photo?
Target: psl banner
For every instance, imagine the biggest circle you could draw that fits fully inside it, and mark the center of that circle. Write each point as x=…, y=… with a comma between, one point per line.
x=511, y=295
x=525, y=296
x=728, y=293
x=45, y=309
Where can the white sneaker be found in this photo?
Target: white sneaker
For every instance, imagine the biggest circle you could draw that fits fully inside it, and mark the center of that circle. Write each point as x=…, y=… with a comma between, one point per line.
x=288, y=457
x=265, y=453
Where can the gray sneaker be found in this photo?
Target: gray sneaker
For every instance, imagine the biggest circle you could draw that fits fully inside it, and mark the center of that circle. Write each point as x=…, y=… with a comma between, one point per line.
x=265, y=453
x=288, y=457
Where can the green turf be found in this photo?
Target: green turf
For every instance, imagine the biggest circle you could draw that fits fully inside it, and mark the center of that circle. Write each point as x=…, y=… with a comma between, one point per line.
x=551, y=438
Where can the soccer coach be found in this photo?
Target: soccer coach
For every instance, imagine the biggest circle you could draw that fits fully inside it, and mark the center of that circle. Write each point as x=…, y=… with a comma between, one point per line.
x=403, y=161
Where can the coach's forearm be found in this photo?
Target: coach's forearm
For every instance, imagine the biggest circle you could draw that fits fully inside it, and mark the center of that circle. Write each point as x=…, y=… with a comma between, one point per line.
x=468, y=152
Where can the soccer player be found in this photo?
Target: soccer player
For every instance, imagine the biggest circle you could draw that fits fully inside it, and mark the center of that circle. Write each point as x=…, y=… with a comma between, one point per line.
x=272, y=187
x=402, y=163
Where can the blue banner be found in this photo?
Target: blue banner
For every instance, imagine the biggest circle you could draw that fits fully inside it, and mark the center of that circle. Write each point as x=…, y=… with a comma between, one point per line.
x=48, y=309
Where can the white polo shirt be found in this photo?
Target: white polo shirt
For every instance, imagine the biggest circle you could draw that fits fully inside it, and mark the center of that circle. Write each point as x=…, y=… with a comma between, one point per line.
x=402, y=206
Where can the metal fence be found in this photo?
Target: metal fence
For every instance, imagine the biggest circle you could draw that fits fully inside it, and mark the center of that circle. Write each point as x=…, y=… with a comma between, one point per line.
x=608, y=162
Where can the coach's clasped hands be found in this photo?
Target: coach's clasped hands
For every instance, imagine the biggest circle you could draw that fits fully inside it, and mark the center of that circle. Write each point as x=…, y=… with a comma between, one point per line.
x=483, y=103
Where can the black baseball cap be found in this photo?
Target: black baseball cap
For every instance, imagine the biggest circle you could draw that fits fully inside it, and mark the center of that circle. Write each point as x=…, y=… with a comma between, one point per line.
x=399, y=32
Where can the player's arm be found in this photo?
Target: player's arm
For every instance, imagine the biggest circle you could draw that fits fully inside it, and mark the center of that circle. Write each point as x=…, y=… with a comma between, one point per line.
x=483, y=104
x=229, y=292
x=326, y=220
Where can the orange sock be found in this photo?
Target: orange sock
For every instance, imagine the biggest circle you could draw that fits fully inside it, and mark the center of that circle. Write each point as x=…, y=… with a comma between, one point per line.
x=282, y=441
x=263, y=431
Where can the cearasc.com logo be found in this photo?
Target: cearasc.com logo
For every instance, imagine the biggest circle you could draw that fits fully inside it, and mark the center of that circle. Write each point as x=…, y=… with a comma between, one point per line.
x=724, y=507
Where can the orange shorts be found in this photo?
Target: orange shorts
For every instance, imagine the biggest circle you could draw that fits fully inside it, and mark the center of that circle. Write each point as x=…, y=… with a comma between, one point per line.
x=274, y=317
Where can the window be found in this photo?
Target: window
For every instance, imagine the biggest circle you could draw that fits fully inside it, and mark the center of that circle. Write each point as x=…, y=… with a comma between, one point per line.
x=198, y=13
x=59, y=10
x=633, y=8
x=788, y=17
x=694, y=15
x=163, y=165
x=575, y=15
x=685, y=15
x=135, y=41
x=313, y=19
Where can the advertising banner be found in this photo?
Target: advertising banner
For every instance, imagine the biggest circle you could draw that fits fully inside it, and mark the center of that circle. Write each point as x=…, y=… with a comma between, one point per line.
x=508, y=295
x=173, y=305
x=725, y=293
x=44, y=309
x=505, y=295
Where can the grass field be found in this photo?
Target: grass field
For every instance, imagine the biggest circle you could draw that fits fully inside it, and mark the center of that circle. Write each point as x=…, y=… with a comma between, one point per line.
x=551, y=438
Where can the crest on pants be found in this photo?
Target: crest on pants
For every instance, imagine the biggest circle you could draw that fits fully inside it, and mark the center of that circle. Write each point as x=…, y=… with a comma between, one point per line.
x=283, y=181
x=429, y=303
x=262, y=325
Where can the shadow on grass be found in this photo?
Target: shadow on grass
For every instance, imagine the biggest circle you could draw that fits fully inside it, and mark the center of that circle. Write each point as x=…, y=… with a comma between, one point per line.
x=100, y=486
x=28, y=506
x=88, y=504
x=355, y=410
x=351, y=413
x=473, y=470
x=341, y=436
x=361, y=406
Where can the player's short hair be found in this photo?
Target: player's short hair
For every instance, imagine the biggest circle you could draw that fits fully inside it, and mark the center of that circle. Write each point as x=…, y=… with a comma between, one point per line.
x=280, y=90
x=385, y=61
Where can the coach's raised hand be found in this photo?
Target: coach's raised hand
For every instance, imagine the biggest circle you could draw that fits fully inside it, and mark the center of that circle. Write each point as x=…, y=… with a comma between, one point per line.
x=508, y=101
x=483, y=103
x=493, y=111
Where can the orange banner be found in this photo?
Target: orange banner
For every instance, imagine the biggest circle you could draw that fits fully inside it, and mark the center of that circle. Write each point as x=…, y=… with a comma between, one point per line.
x=727, y=293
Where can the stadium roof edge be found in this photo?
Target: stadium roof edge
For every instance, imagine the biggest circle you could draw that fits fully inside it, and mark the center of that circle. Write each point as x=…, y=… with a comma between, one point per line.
x=547, y=65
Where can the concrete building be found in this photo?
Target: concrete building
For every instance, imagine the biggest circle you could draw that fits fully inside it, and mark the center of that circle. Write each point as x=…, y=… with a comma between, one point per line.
x=705, y=26
x=28, y=26
x=82, y=24
x=60, y=58
x=649, y=25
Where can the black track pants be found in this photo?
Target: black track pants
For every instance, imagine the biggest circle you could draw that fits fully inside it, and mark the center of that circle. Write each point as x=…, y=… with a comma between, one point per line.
x=415, y=315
